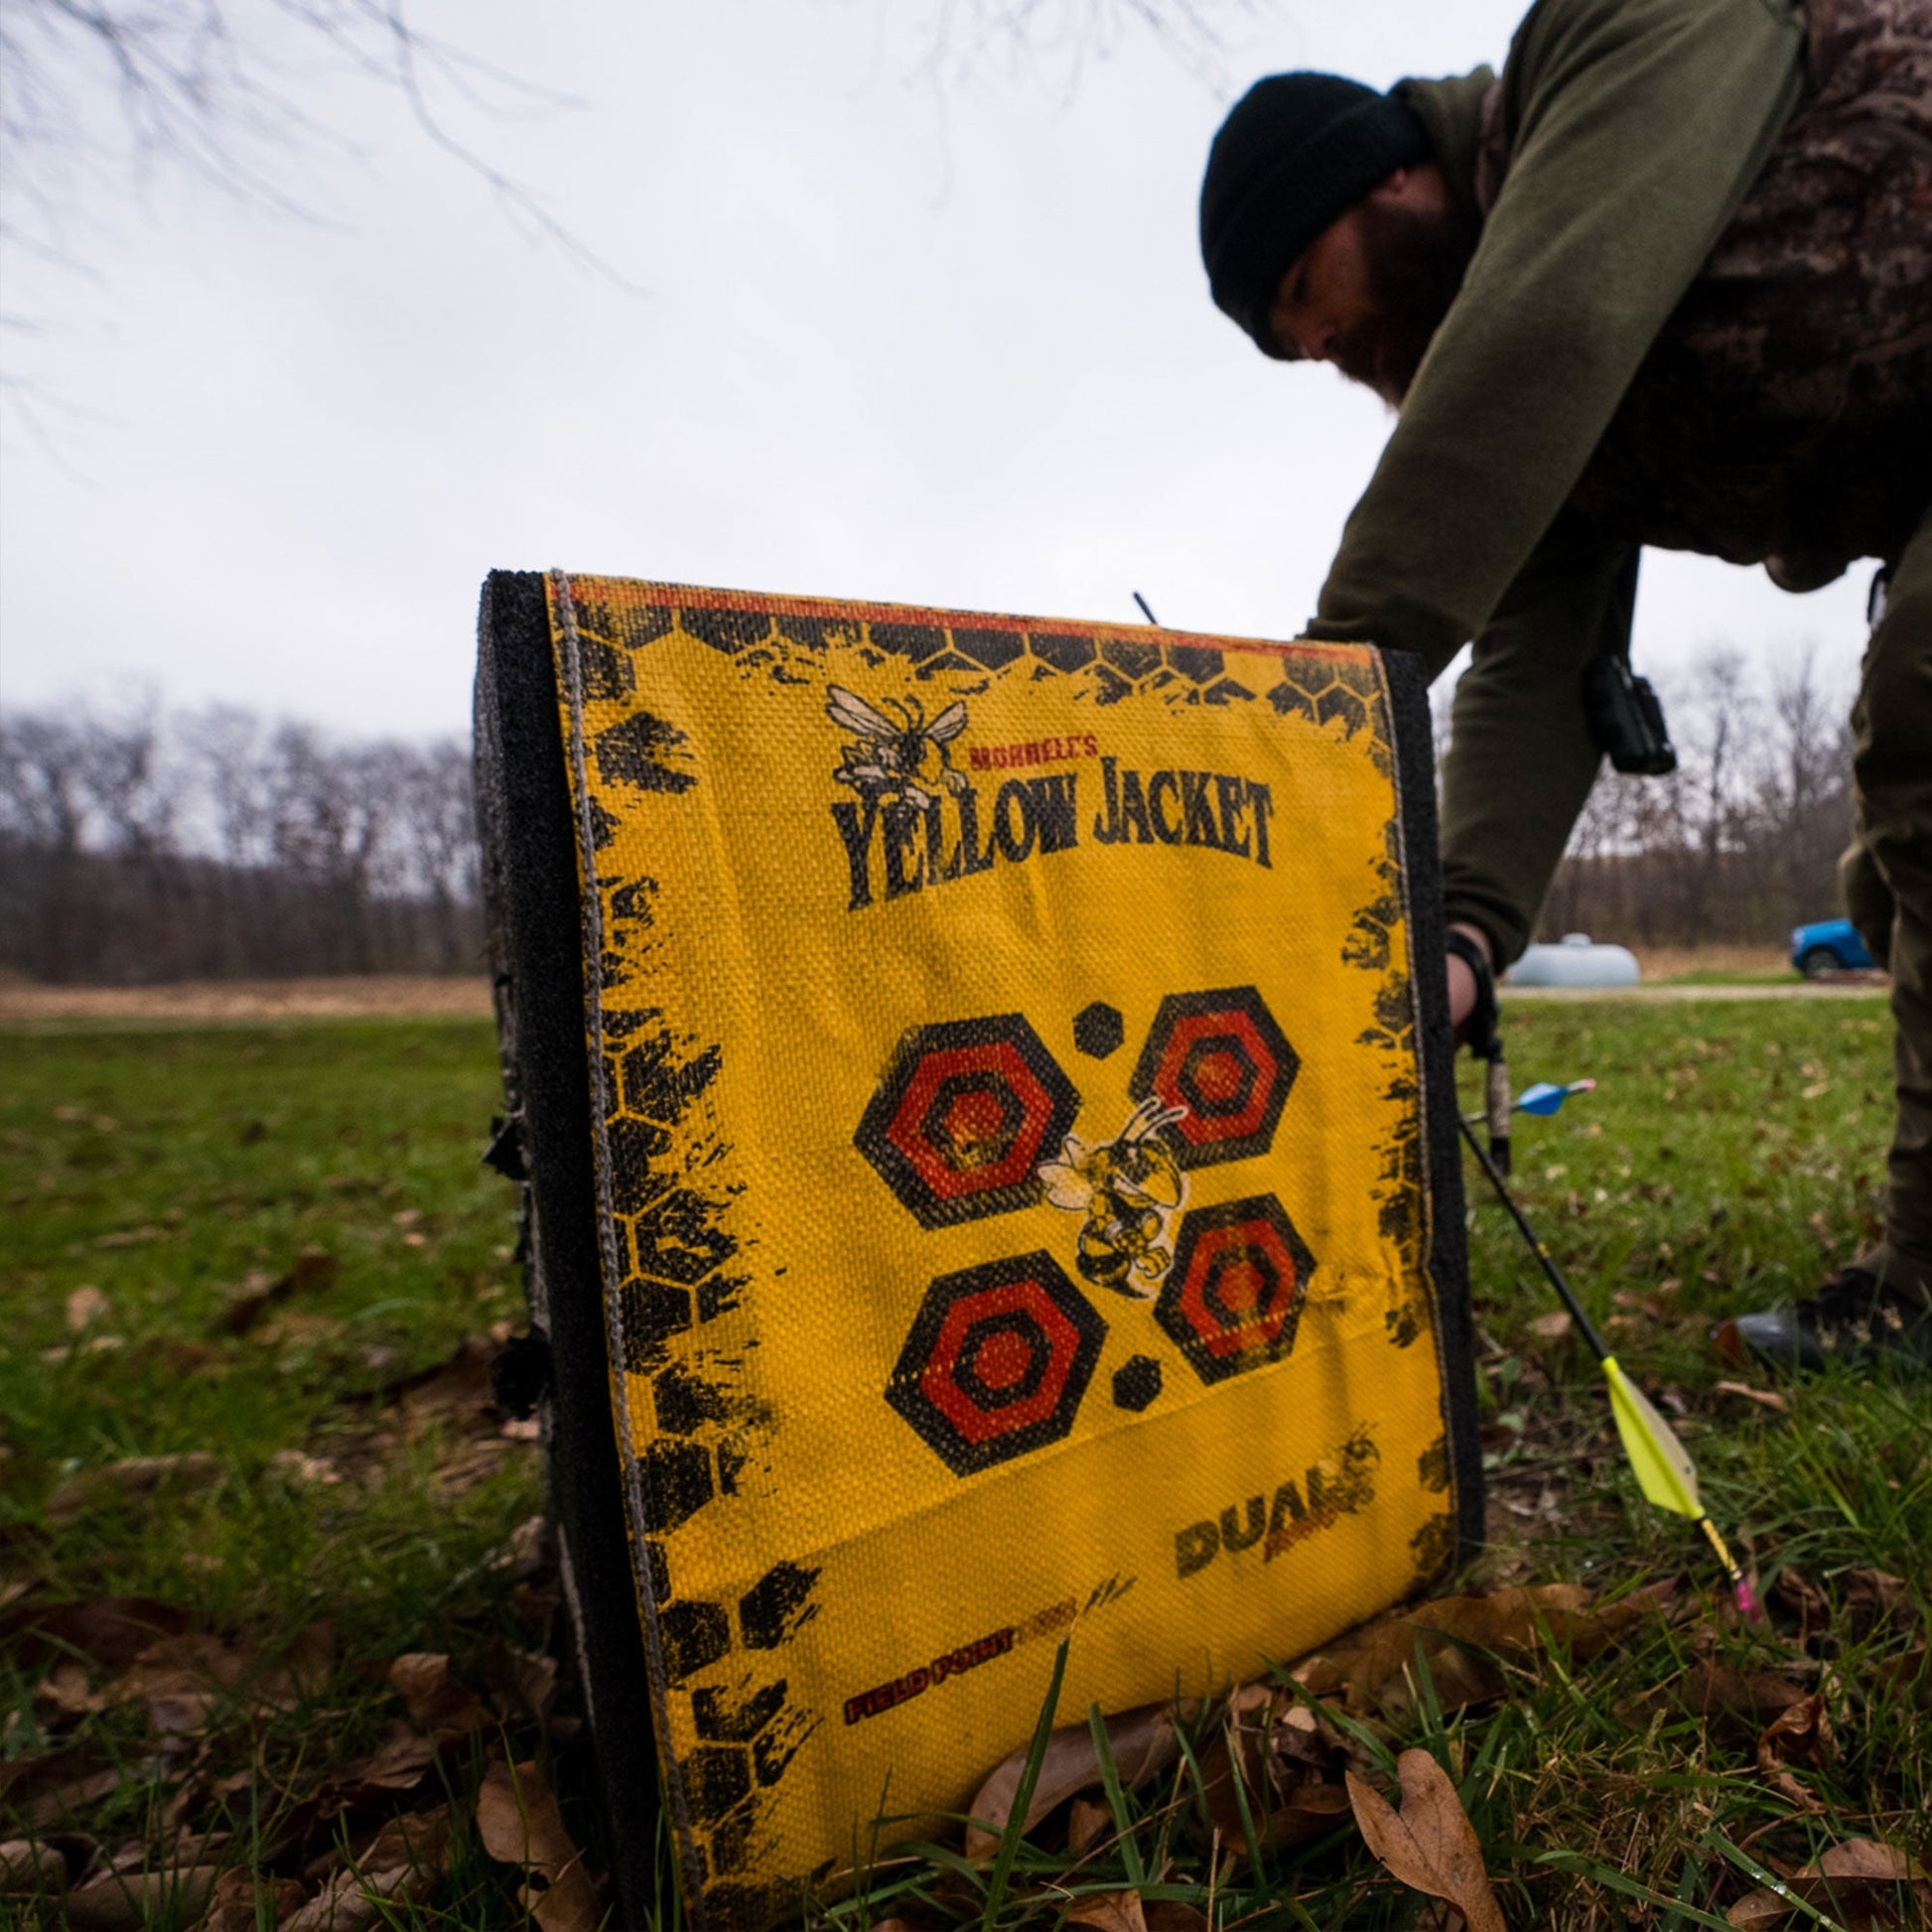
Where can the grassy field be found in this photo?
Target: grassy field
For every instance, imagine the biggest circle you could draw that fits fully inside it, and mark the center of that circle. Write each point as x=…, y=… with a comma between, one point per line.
x=247, y=1274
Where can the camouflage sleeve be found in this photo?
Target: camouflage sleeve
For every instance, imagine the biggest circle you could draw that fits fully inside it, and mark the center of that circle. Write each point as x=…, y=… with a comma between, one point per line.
x=1521, y=759
x=1636, y=128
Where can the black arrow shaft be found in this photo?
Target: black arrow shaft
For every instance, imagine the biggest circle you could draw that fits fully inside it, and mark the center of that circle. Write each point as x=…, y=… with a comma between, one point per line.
x=1585, y=1326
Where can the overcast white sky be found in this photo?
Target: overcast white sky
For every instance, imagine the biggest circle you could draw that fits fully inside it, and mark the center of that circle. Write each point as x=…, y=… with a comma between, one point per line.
x=944, y=344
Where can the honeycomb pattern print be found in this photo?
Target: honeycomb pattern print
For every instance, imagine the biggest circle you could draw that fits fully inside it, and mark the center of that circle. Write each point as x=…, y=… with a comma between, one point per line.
x=1342, y=690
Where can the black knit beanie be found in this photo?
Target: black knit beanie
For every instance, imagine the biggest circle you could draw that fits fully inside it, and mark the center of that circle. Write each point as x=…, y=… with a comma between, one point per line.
x=1296, y=151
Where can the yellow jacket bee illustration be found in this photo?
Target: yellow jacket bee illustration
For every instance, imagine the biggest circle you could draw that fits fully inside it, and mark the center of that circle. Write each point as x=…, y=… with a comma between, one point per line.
x=898, y=757
x=1130, y=1189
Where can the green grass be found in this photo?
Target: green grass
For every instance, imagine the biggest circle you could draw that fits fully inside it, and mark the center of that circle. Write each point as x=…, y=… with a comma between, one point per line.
x=1717, y=976
x=1730, y=1155
x=168, y=1169
x=165, y=1168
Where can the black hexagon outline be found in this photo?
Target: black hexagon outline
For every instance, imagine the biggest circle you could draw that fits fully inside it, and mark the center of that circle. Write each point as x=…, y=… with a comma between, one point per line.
x=1175, y=1007
x=932, y=1424
x=908, y=1185
x=1173, y=1320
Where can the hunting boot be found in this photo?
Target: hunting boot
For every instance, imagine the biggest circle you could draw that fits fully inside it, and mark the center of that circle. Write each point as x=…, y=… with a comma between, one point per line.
x=1856, y=1317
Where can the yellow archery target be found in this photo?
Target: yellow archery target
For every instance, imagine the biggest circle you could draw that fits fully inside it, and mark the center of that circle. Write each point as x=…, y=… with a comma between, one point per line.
x=1019, y=1182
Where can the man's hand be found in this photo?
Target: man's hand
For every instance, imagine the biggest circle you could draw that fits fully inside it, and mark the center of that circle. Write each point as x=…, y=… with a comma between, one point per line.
x=1463, y=982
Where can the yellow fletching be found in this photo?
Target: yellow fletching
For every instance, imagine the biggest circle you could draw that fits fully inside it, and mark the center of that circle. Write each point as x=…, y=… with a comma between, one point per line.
x=1665, y=1473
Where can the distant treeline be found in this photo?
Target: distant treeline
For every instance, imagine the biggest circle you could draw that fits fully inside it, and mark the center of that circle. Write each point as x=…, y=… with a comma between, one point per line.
x=212, y=845
x=1742, y=842
x=208, y=845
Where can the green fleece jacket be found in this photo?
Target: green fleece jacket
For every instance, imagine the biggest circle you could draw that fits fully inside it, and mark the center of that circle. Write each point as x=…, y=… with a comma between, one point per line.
x=1636, y=128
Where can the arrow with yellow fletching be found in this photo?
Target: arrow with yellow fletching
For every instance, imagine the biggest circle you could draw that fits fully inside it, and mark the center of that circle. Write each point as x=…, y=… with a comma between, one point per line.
x=1662, y=1466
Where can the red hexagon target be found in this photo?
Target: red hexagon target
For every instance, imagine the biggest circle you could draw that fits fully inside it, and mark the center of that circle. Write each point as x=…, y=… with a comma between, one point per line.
x=997, y=1362
x=966, y=1112
x=1221, y=1057
x=1233, y=1297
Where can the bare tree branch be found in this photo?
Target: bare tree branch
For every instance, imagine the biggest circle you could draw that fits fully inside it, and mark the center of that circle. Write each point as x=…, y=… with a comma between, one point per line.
x=1044, y=39
x=102, y=99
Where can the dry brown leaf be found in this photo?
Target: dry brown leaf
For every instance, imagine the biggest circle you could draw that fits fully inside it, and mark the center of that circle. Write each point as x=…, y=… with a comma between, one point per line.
x=28, y=1867
x=108, y=1630
x=439, y=1703
x=518, y=1818
x=1875, y=1597
x=1171, y=1915
x=1792, y=1792
x=239, y=1899
x=1429, y=1845
x=1109, y=1911
x=407, y=1859
x=1801, y=1733
x=1801, y=1599
x=519, y=1822
x=1857, y=1879
x=399, y=1764
x=1865, y=1858
x=1716, y=1691
x=474, y=1461
x=1551, y=1327
x=1300, y=1747
x=44, y=1790
x=92, y=1345
x=457, y=1389
x=84, y=1305
x=299, y=1466
x=1142, y=1741
x=130, y=1479
x=522, y=1684
x=1086, y=1824
x=1764, y=1398
x=125, y=1902
x=1906, y=1672
x=311, y=1657
x=182, y=1679
x=1243, y=1740
x=525, y=1552
x=1313, y=1812
x=314, y=1269
x=66, y=1692
x=1375, y=1665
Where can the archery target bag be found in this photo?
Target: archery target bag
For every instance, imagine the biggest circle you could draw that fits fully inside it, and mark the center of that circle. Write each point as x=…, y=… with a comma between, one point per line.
x=984, y=1091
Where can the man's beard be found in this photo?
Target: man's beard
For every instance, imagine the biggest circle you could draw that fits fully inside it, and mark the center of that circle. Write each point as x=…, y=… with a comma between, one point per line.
x=1416, y=260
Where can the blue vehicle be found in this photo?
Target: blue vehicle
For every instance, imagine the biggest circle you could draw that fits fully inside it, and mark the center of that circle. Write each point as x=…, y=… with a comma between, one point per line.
x=1828, y=946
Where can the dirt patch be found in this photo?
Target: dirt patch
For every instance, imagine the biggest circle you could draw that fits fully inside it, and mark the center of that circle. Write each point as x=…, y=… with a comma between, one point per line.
x=349, y=997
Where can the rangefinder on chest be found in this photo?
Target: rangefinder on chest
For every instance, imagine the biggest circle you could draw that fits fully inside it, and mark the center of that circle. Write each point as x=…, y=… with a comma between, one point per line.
x=1627, y=721
x=984, y=1091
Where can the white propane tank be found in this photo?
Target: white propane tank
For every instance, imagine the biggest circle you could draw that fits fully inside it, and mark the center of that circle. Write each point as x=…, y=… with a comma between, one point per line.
x=1578, y=961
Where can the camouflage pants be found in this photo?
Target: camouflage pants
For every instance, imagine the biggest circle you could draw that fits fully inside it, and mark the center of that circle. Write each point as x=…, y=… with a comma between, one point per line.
x=1887, y=875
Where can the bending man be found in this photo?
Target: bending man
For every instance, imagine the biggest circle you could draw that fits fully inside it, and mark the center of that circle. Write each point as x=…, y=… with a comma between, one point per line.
x=1666, y=280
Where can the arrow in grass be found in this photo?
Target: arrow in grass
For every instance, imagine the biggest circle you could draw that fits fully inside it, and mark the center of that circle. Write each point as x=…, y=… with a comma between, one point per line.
x=1663, y=1467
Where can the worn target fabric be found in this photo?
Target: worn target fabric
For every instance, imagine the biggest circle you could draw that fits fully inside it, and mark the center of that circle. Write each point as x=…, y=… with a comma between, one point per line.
x=1022, y=1188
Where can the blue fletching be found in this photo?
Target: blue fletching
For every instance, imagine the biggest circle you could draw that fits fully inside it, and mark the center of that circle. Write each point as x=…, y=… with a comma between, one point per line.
x=1543, y=1098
